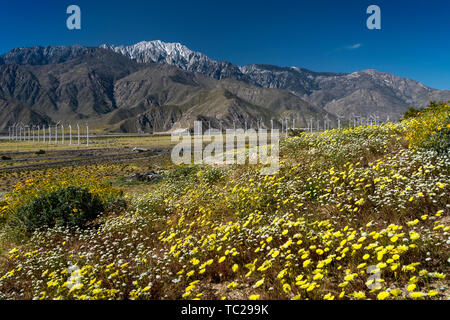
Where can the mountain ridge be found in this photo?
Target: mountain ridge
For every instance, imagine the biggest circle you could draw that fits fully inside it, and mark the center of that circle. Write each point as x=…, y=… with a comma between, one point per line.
x=55, y=83
x=117, y=93
x=314, y=87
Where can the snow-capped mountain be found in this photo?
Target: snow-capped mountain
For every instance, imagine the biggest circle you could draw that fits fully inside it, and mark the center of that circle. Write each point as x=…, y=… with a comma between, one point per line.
x=44, y=85
x=364, y=92
x=158, y=51
x=177, y=55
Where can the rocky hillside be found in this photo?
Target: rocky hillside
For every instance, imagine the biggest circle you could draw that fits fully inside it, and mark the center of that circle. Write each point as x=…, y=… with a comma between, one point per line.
x=156, y=86
x=361, y=93
x=115, y=93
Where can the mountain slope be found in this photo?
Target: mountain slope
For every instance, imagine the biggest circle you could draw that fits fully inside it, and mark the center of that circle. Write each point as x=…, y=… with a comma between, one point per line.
x=191, y=96
x=338, y=93
x=116, y=93
x=79, y=88
x=180, y=56
x=154, y=86
x=44, y=55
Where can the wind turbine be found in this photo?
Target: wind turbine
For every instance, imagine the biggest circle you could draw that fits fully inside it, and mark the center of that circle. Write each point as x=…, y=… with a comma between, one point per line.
x=70, y=134
x=62, y=132
x=87, y=134
x=326, y=122
x=56, y=132
x=12, y=129
x=339, y=120
x=78, y=127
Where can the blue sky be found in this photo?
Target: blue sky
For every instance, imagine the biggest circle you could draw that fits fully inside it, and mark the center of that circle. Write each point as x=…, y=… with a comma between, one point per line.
x=319, y=35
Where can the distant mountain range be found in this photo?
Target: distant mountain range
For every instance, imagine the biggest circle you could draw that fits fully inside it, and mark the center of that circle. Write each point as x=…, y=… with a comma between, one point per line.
x=156, y=86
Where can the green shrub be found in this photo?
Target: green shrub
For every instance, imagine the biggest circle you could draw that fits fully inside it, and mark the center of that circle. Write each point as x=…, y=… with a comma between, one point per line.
x=70, y=207
x=313, y=190
x=296, y=133
x=183, y=171
x=412, y=113
x=151, y=203
x=430, y=129
x=440, y=141
x=431, y=107
x=213, y=175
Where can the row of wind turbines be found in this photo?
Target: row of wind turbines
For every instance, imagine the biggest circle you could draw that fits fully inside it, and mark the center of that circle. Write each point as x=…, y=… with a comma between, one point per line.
x=49, y=133
x=313, y=124
x=46, y=134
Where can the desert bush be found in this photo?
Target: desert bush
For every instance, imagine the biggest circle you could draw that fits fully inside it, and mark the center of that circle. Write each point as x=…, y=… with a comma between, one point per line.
x=413, y=112
x=430, y=129
x=69, y=207
x=212, y=175
x=151, y=203
x=440, y=140
x=296, y=132
x=25, y=192
x=182, y=172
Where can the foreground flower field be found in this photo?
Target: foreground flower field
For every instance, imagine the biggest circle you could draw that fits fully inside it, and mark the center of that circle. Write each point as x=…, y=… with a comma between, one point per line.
x=357, y=213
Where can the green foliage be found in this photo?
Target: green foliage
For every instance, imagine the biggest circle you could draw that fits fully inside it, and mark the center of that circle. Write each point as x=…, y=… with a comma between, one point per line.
x=151, y=203
x=182, y=172
x=312, y=190
x=296, y=132
x=70, y=207
x=430, y=129
x=440, y=141
x=413, y=112
x=212, y=175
